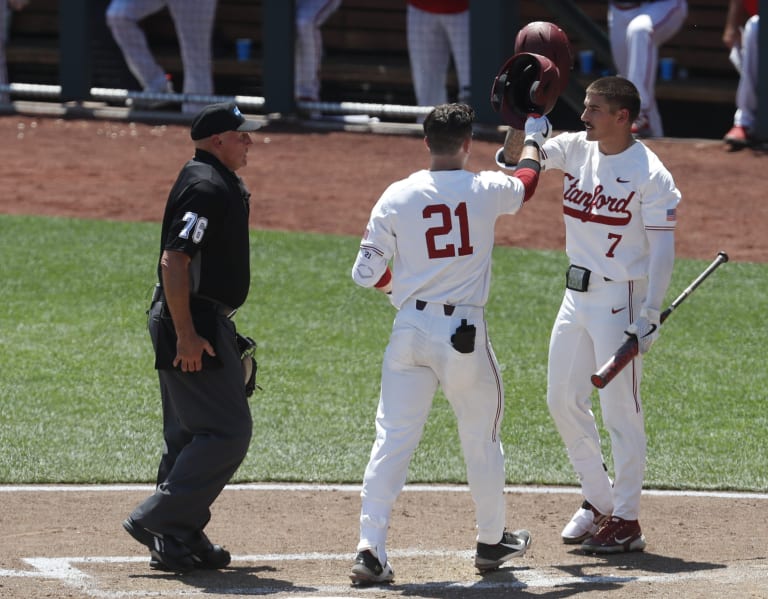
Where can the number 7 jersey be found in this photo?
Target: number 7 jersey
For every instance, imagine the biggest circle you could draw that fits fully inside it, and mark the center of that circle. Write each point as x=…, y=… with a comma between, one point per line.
x=609, y=202
x=438, y=228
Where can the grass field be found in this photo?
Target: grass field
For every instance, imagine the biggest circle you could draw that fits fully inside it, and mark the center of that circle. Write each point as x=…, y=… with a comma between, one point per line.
x=81, y=404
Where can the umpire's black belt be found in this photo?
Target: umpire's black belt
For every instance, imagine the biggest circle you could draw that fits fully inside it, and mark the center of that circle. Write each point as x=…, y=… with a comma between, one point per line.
x=197, y=302
x=447, y=308
x=207, y=304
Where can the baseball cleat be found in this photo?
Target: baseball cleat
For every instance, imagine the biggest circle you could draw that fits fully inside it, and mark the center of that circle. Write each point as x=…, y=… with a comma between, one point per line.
x=368, y=570
x=616, y=535
x=642, y=127
x=737, y=138
x=512, y=544
x=584, y=523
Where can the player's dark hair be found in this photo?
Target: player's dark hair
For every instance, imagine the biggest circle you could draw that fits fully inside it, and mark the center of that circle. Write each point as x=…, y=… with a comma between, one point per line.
x=447, y=127
x=619, y=93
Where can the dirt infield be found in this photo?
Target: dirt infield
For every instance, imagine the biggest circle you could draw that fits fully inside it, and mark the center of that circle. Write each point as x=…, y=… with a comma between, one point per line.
x=328, y=181
x=298, y=541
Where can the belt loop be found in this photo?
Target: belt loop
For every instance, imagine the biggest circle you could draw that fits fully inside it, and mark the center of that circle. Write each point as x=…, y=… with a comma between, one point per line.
x=447, y=308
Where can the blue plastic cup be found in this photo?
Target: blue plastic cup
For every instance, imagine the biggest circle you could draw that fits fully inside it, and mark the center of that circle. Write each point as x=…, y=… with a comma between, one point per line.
x=243, y=46
x=586, y=61
x=667, y=69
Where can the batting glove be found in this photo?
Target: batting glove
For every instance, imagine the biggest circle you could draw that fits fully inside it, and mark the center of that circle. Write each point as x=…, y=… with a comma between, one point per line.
x=537, y=130
x=645, y=329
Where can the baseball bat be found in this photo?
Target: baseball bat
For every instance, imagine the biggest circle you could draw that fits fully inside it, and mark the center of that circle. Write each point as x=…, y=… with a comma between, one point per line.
x=628, y=349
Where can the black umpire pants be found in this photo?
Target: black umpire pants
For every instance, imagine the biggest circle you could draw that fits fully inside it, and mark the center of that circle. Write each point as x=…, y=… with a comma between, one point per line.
x=207, y=430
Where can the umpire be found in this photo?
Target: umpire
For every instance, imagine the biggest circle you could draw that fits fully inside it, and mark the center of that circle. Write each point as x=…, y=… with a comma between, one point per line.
x=204, y=275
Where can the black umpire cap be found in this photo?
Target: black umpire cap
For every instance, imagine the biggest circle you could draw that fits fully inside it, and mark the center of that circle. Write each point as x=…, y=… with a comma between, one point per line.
x=218, y=118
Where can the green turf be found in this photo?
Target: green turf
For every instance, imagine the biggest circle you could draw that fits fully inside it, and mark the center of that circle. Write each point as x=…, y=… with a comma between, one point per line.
x=80, y=400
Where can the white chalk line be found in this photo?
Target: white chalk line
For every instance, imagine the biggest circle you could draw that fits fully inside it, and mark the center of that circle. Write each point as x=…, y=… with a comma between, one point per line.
x=64, y=569
x=415, y=488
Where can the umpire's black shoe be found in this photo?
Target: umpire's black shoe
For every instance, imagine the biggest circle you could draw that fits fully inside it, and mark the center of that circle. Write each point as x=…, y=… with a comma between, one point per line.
x=512, y=544
x=205, y=555
x=167, y=552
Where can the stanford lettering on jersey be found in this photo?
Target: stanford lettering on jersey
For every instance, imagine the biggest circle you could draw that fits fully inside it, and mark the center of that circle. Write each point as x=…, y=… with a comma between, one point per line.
x=593, y=206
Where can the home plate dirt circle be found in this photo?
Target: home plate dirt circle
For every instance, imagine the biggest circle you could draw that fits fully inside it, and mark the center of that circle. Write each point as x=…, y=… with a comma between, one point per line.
x=291, y=541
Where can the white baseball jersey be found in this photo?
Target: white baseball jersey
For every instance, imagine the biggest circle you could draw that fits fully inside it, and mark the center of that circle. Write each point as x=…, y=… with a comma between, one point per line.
x=609, y=202
x=439, y=227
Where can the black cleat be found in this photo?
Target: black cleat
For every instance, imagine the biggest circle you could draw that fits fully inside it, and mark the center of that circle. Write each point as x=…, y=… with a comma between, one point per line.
x=512, y=544
x=368, y=570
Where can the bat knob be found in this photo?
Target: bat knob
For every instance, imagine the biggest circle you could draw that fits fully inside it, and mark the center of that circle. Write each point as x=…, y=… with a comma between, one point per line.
x=597, y=381
x=723, y=256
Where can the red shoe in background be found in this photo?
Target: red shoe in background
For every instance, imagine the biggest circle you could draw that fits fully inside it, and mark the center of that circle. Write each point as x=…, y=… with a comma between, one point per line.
x=642, y=126
x=737, y=138
x=616, y=535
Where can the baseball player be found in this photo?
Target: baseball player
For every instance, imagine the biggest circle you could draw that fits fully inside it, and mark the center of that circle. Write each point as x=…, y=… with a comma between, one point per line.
x=619, y=206
x=437, y=30
x=438, y=228
x=193, y=20
x=636, y=30
x=204, y=274
x=310, y=15
x=5, y=20
x=740, y=35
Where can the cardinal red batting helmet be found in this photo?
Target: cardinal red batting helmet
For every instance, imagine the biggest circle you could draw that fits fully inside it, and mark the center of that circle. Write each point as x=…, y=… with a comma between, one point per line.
x=528, y=84
x=547, y=39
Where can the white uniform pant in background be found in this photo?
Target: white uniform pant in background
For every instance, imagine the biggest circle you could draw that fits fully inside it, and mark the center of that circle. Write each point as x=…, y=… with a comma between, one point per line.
x=589, y=328
x=5, y=17
x=420, y=357
x=310, y=15
x=746, y=92
x=193, y=20
x=636, y=34
x=432, y=40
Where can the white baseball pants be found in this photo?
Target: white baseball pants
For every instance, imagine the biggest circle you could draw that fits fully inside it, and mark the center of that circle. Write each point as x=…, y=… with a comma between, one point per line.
x=310, y=15
x=588, y=329
x=432, y=40
x=420, y=357
x=193, y=20
x=635, y=35
x=746, y=92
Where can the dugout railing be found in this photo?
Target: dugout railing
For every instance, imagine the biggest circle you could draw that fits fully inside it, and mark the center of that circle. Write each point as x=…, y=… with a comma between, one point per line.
x=366, y=54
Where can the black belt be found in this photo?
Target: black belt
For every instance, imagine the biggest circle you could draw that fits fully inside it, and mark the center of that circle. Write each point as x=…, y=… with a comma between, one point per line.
x=218, y=307
x=447, y=308
x=199, y=302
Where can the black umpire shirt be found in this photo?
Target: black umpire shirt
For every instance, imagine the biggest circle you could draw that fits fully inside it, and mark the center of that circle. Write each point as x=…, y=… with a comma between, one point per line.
x=206, y=217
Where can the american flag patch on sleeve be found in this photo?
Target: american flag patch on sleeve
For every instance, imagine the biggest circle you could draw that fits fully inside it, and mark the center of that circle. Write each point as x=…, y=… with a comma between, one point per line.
x=672, y=214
